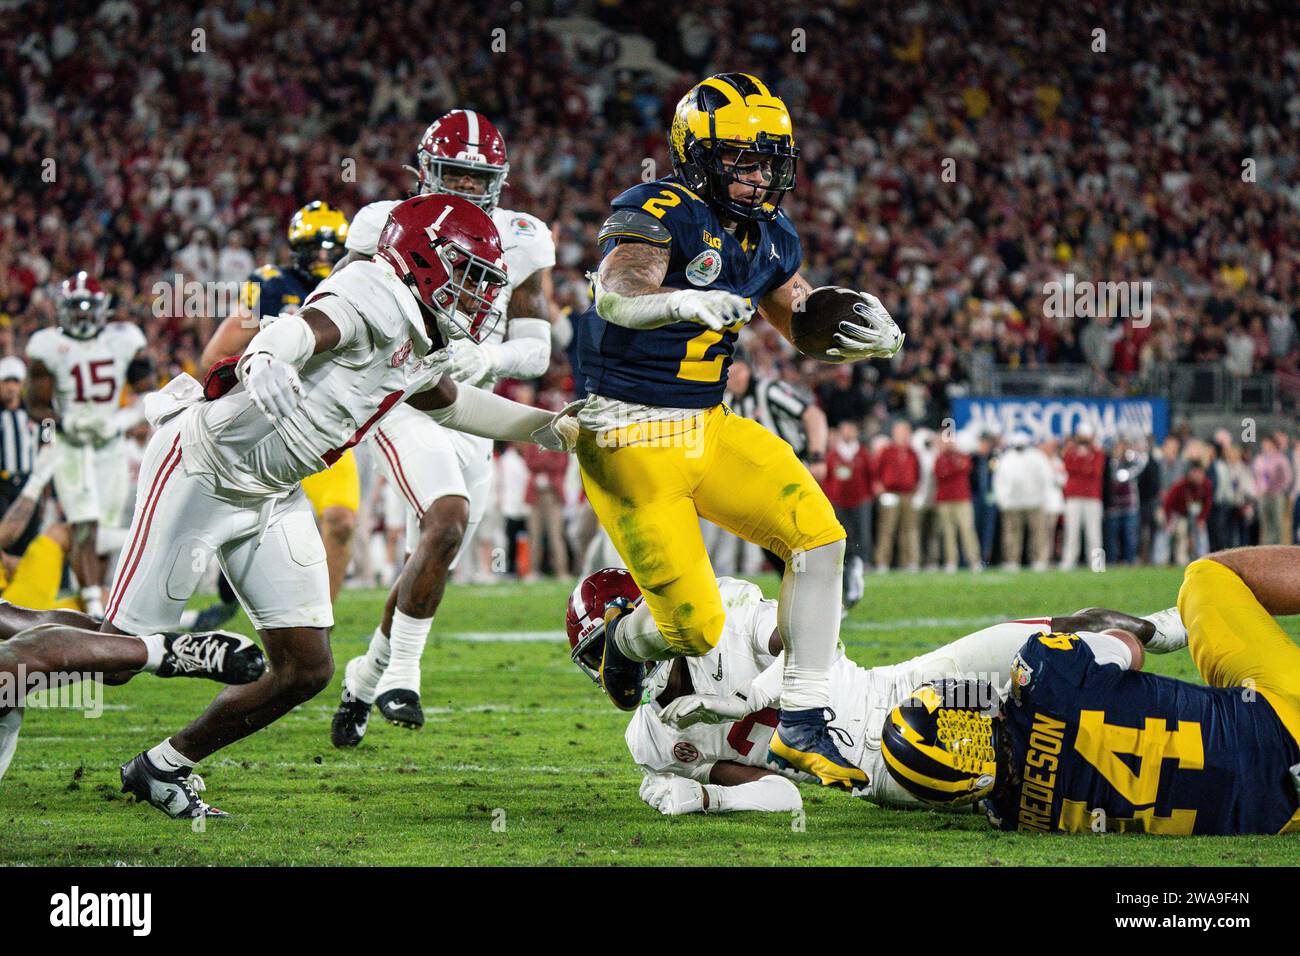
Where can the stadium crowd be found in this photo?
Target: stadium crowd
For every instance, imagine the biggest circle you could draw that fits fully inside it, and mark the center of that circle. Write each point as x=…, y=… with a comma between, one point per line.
x=955, y=163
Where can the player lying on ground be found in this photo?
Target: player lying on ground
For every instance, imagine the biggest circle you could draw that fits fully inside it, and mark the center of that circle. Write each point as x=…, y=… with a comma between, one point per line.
x=684, y=262
x=445, y=476
x=702, y=732
x=220, y=478
x=1085, y=743
x=67, y=644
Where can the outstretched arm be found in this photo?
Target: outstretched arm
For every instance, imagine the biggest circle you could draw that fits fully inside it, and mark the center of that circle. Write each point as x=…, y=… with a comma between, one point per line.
x=478, y=412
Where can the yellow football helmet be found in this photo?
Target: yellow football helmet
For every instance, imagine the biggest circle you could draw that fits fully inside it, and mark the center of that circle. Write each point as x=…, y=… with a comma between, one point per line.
x=317, y=232
x=940, y=744
x=732, y=130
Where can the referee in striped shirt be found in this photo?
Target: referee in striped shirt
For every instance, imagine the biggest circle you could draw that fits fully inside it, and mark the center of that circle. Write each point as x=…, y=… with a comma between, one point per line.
x=18, y=441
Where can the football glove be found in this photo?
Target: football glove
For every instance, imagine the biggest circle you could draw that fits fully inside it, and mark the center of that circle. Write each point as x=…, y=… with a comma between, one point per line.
x=273, y=385
x=672, y=795
x=691, y=709
x=561, y=433
x=878, y=336
x=472, y=364
x=711, y=308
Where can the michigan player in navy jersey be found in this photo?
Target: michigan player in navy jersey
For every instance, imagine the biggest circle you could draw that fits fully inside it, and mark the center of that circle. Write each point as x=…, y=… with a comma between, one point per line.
x=317, y=233
x=1084, y=742
x=685, y=262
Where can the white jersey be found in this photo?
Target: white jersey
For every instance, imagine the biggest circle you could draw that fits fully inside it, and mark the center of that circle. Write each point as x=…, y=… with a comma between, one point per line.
x=861, y=697
x=741, y=654
x=382, y=358
x=525, y=240
x=88, y=377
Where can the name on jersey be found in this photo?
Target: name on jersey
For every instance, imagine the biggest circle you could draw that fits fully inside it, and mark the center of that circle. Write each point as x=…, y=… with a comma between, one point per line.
x=1038, y=777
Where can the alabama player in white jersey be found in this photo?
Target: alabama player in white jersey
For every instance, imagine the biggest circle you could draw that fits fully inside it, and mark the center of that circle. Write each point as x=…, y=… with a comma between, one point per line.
x=78, y=369
x=701, y=733
x=221, y=476
x=445, y=476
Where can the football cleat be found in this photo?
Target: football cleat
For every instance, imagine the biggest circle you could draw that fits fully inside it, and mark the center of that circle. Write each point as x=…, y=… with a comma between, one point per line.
x=802, y=741
x=1171, y=632
x=217, y=655
x=620, y=676
x=401, y=707
x=353, y=714
x=174, y=793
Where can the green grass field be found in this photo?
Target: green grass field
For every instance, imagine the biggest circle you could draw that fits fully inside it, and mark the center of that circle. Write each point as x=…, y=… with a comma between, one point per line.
x=519, y=736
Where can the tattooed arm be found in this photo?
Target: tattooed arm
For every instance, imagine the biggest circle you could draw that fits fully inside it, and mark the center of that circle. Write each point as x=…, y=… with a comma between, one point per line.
x=629, y=293
x=780, y=305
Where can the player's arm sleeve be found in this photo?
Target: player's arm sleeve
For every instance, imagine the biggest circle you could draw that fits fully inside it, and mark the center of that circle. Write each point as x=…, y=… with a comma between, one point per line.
x=526, y=353
x=770, y=794
x=365, y=227
x=476, y=411
x=1108, y=649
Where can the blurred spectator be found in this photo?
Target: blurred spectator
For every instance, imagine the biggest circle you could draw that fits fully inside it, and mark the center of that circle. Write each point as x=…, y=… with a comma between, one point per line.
x=952, y=497
x=1085, y=467
x=1187, y=508
x=849, y=486
x=1121, y=500
x=547, y=546
x=897, y=474
x=1020, y=485
x=1273, y=479
x=983, y=498
x=1234, y=500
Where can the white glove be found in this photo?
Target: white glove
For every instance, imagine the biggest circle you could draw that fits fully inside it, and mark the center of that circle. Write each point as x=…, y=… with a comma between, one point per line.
x=691, y=709
x=672, y=795
x=273, y=385
x=88, y=428
x=878, y=336
x=42, y=471
x=561, y=433
x=709, y=307
x=472, y=364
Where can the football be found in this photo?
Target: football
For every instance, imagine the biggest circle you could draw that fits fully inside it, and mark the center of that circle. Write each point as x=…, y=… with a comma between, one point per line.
x=814, y=326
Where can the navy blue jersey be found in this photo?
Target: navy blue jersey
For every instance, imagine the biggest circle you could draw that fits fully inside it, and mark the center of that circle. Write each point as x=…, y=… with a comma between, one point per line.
x=684, y=365
x=1093, y=746
x=271, y=290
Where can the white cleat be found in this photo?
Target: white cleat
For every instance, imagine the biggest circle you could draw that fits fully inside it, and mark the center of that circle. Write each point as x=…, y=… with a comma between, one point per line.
x=1171, y=633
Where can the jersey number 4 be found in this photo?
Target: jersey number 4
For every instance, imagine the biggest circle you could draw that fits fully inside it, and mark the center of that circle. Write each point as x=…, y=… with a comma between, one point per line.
x=1102, y=745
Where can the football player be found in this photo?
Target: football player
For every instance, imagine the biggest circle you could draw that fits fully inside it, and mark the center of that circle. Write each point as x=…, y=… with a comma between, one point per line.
x=685, y=259
x=445, y=476
x=220, y=477
x=1085, y=742
x=702, y=732
x=78, y=370
x=317, y=232
x=66, y=646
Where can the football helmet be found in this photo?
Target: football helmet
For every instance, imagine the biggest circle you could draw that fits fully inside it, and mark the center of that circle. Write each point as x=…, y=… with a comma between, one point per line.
x=317, y=233
x=448, y=252
x=940, y=743
x=585, y=620
x=83, y=306
x=463, y=143
x=731, y=129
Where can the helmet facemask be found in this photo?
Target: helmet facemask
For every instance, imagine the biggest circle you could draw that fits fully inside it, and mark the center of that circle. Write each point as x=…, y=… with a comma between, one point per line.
x=82, y=315
x=941, y=743
x=464, y=305
x=589, y=651
x=435, y=170
x=727, y=163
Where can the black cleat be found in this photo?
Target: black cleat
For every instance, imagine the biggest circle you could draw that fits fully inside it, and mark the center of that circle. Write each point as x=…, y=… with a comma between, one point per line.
x=401, y=708
x=212, y=618
x=352, y=716
x=175, y=794
x=620, y=676
x=217, y=655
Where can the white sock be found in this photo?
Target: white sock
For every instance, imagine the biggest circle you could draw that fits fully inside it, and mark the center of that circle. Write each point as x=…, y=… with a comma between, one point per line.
x=406, y=639
x=639, y=638
x=364, y=672
x=808, y=617
x=167, y=758
x=153, y=644
x=92, y=599
x=10, y=724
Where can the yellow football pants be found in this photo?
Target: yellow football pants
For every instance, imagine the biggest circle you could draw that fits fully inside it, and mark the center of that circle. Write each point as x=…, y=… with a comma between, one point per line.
x=1235, y=642
x=338, y=486
x=650, y=484
x=35, y=582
